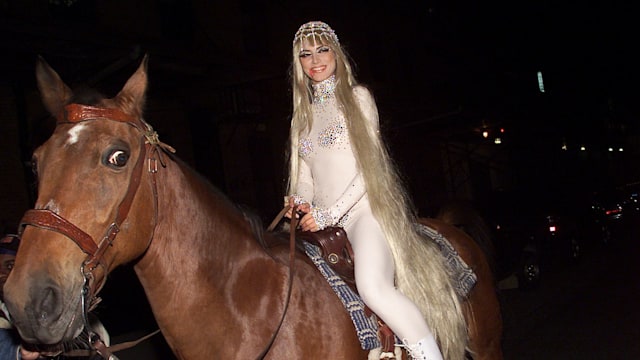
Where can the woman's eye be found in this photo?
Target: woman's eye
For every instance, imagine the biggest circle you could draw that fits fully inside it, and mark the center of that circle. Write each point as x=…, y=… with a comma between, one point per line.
x=324, y=49
x=305, y=54
x=118, y=158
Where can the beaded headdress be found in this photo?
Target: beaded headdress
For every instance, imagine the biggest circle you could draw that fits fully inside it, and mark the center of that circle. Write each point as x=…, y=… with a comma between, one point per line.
x=315, y=28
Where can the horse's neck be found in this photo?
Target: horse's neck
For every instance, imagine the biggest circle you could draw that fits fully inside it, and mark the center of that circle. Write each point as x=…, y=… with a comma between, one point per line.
x=201, y=249
x=195, y=220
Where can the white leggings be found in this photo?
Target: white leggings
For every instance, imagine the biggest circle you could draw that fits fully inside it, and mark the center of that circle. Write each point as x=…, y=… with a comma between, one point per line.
x=374, y=273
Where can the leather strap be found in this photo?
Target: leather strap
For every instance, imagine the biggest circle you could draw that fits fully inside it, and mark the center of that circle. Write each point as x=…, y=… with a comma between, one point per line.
x=49, y=220
x=106, y=351
x=123, y=209
x=74, y=113
x=279, y=217
x=292, y=262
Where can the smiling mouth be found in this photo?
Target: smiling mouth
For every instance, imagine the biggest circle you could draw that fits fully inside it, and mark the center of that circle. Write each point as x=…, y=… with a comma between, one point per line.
x=318, y=69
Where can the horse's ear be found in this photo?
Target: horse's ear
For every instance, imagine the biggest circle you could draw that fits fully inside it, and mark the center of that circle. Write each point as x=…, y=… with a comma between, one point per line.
x=54, y=92
x=131, y=97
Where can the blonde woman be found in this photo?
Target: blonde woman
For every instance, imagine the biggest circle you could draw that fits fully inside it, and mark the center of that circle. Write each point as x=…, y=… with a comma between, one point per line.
x=341, y=175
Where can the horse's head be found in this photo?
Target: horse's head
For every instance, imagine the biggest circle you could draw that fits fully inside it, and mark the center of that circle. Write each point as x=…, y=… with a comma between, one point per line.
x=93, y=185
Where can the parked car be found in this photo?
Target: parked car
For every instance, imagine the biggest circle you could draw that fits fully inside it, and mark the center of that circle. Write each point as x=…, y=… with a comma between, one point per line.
x=534, y=233
x=607, y=212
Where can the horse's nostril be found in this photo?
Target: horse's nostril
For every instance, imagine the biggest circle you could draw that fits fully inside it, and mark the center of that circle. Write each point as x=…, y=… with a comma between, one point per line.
x=48, y=305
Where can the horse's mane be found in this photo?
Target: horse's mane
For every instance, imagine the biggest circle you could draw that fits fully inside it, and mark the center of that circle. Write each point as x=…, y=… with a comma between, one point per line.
x=257, y=226
x=251, y=217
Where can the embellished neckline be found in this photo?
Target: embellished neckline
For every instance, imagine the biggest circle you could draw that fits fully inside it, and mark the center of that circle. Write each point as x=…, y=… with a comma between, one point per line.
x=324, y=90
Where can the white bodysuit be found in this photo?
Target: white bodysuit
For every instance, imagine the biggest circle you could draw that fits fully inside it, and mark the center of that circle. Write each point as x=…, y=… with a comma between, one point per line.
x=329, y=179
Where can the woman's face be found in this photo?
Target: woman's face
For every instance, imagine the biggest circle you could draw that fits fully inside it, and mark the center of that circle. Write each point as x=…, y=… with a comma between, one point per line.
x=318, y=60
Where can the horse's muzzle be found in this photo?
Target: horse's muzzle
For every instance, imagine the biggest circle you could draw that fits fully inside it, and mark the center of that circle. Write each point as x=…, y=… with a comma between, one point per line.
x=47, y=314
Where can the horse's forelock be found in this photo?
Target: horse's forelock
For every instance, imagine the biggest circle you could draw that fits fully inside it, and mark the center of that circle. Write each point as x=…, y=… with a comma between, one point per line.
x=87, y=96
x=250, y=216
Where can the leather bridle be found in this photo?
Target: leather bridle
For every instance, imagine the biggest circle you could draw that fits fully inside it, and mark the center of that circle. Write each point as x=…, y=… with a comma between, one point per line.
x=151, y=149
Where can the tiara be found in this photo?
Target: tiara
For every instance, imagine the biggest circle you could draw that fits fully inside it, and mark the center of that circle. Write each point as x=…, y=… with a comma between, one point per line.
x=313, y=28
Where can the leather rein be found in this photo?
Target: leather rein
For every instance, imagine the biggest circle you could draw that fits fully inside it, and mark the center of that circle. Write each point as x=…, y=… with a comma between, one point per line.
x=292, y=261
x=151, y=149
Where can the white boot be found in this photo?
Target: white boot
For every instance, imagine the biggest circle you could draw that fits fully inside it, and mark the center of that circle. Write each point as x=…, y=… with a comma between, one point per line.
x=424, y=349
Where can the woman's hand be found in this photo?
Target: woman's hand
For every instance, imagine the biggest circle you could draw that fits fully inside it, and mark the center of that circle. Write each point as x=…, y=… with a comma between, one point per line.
x=308, y=223
x=303, y=208
x=28, y=355
x=303, y=211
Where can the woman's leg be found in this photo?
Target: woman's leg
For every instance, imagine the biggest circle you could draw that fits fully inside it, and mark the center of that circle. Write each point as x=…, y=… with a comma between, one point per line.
x=374, y=273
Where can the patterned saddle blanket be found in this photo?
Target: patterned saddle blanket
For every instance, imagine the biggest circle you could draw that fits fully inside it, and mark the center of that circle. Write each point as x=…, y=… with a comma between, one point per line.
x=366, y=326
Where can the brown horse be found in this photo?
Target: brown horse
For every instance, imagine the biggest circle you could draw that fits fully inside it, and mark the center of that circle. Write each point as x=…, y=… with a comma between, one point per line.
x=110, y=193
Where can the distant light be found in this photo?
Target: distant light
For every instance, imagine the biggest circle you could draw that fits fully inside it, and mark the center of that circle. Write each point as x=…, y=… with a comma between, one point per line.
x=620, y=149
x=497, y=141
x=502, y=130
x=485, y=134
x=610, y=149
x=583, y=148
x=564, y=146
x=540, y=82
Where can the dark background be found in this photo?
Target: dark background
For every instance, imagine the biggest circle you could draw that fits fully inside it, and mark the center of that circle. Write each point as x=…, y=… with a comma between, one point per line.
x=441, y=71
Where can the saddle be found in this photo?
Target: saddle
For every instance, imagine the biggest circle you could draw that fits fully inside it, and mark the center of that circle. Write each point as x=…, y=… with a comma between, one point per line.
x=336, y=251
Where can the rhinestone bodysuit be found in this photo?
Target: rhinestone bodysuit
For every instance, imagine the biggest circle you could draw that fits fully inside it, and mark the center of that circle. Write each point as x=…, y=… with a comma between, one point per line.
x=329, y=176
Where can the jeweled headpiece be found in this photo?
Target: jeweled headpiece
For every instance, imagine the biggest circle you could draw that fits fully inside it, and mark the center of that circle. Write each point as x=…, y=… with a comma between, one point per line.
x=315, y=28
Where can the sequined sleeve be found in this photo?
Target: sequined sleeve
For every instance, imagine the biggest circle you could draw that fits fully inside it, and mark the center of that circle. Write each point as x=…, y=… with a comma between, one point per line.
x=367, y=106
x=352, y=194
x=304, y=188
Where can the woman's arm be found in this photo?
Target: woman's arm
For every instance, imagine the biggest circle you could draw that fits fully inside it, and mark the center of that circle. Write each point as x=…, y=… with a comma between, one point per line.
x=304, y=190
x=349, y=198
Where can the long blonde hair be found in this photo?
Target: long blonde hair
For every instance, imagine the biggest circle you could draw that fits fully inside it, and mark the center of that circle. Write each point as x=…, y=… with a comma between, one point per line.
x=421, y=273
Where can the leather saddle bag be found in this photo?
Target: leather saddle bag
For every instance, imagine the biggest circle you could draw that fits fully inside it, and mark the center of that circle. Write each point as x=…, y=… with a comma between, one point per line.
x=335, y=248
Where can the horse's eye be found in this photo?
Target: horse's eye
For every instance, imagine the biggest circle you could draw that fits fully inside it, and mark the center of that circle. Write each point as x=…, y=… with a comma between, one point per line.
x=118, y=158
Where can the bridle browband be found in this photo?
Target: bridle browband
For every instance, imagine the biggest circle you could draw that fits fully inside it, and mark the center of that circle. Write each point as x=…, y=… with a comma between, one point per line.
x=150, y=148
